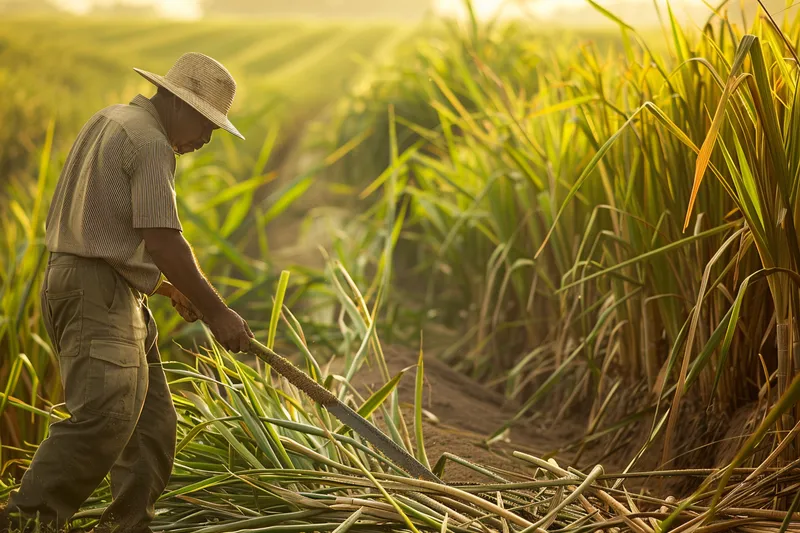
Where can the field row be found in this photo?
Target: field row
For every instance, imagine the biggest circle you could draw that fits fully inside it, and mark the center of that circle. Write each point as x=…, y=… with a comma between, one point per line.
x=248, y=50
x=287, y=72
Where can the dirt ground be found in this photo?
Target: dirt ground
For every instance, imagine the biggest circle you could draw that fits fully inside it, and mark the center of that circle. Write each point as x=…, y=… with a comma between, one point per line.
x=466, y=413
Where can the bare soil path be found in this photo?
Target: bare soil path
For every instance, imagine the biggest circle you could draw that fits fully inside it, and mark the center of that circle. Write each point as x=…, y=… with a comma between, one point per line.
x=466, y=413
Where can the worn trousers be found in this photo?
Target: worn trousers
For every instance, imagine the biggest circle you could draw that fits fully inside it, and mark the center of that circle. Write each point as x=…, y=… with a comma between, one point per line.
x=122, y=419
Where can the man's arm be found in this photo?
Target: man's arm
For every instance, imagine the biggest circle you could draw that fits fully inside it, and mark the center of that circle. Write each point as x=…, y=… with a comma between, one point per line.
x=155, y=213
x=174, y=257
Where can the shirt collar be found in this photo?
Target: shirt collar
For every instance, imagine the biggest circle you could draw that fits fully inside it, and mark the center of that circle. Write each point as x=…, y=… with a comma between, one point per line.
x=145, y=103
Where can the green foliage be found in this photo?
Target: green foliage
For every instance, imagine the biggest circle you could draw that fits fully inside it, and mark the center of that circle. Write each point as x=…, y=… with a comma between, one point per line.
x=582, y=219
x=553, y=224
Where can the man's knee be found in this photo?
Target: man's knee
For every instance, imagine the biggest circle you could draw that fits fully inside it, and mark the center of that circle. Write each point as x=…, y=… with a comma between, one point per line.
x=93, y=438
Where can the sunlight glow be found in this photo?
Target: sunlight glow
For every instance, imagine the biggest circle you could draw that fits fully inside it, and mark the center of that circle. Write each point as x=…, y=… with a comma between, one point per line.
x=180, y=9
x=544, y=9
x=549, y=9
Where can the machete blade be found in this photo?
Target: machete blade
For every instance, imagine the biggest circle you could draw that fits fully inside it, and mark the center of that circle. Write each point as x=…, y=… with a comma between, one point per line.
x=345, y=414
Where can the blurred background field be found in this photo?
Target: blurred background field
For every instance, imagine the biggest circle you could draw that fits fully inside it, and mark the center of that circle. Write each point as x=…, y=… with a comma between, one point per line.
x=519, y=199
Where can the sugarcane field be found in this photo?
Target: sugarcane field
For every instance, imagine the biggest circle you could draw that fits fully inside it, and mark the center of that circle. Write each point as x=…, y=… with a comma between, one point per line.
x=367, y=266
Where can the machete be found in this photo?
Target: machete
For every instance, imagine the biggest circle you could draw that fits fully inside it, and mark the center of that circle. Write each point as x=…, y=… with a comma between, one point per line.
x=331, y=403
x=345, y=414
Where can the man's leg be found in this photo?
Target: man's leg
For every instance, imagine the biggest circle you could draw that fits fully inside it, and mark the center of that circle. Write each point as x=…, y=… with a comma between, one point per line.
x=104, y=377
x=141, y=473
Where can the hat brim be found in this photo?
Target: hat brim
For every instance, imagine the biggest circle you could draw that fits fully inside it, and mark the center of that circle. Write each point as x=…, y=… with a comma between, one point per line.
x=201, y=106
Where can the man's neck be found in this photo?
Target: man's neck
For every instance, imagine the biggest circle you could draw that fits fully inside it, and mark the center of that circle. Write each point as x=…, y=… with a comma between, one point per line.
x=165, y=112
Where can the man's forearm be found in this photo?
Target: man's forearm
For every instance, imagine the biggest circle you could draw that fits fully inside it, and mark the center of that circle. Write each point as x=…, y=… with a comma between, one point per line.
x=178, y=264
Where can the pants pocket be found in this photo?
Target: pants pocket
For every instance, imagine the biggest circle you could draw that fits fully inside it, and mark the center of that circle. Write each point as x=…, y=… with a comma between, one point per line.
x=65, y=317
x=107, y=284
x=113, y=378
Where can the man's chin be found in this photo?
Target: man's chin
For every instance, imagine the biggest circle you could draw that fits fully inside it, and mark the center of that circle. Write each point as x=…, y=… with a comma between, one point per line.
x=186, y=149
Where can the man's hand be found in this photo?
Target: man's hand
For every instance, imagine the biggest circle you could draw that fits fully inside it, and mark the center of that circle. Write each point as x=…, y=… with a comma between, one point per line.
x=174, y=257
x=230, y=330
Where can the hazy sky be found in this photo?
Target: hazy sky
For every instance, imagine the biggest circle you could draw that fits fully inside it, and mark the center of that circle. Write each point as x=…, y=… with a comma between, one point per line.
x=543, y=8
x=172, y=8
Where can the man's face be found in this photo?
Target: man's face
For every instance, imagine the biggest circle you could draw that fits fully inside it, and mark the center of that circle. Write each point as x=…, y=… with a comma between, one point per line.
x=192, y=130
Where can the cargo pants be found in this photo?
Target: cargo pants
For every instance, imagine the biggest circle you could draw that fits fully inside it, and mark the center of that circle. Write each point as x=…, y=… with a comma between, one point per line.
x=122, y=419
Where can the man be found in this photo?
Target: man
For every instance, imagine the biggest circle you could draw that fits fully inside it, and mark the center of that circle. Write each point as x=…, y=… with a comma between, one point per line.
x=112, y=230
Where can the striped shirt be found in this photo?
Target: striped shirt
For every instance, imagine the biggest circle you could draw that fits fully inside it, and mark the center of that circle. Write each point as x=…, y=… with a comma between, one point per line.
x=119, y=177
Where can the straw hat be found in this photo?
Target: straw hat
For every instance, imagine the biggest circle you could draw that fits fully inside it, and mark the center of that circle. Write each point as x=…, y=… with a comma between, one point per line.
x=203, y=83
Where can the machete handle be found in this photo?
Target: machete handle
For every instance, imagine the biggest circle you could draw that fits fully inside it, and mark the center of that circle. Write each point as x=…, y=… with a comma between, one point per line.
x=284, y=367
x=294, y=375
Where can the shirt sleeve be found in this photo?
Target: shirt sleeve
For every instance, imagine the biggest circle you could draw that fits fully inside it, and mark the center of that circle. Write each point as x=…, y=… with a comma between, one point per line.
x=152, y=173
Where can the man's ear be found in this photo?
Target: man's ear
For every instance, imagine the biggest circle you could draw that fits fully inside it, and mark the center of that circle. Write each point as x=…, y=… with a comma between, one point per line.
x=177, y=105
